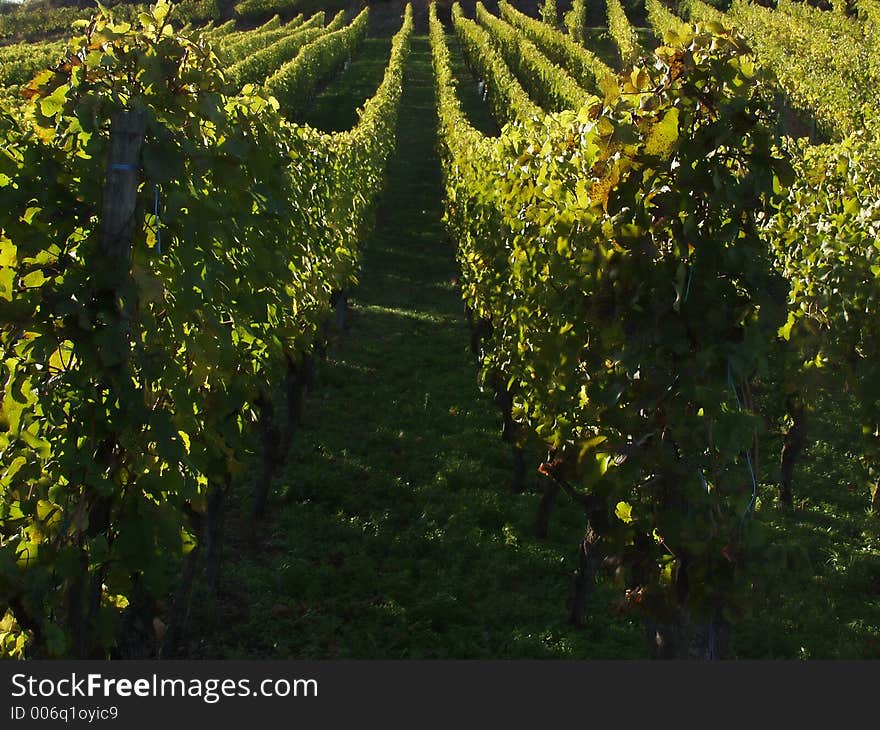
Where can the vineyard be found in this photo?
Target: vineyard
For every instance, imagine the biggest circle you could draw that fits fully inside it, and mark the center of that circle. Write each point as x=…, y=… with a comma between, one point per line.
x=440, y=330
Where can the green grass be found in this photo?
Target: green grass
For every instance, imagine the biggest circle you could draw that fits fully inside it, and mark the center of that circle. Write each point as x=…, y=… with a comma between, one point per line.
x=599, y=42
x=826, y=603
x=393, y=533
x=336, y=108
x=648, y=39
x=472, y=104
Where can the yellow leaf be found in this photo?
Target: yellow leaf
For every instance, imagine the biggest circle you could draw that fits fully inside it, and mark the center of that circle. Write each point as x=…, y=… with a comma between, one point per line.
x=8, y=623
x=623, y=511
x=34, y=279
x=118, y=601
x=7, y=252
x=663, y=135
x=27, y=554
x=640, y=79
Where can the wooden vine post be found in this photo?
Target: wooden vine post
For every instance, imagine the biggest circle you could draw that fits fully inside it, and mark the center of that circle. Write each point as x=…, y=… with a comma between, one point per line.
x=119, y=200
x=118, y=208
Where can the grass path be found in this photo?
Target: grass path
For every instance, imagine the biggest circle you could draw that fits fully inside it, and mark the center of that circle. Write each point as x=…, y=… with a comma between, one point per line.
x=393, y=534
x=336, y=107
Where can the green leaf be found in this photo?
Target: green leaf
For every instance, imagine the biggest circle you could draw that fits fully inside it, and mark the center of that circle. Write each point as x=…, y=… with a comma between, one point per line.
x=112, y=346
x=29, y=214
x=785, y=330
x=8, y=252
x=52, y=104
x=160, y=11
x=56, y=641
x=48, y=513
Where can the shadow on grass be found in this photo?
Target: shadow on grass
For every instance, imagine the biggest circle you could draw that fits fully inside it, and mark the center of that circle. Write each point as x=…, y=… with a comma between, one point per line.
x=825, y=602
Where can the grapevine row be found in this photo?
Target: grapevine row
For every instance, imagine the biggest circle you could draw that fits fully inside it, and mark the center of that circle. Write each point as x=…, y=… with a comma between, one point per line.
x=629, y=300
x=663, y=21
x=138, y=366
x=197, y=12
x=19, y=62
x=575, y=21
x=259, y=66
x=587, y=69
x=550, y=13
x=835, y=23
x=220, y=31
x=824, y=237
x=255, y=10
x=239, y=46
x=699, y=11
x=829, y=75
x=506, y=96
x=548, y=84
x=24, y=23
x=623, y=33
x=296, y=81
x=870, y=11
